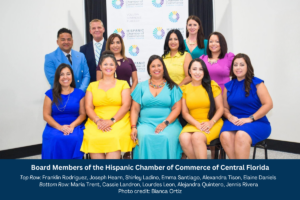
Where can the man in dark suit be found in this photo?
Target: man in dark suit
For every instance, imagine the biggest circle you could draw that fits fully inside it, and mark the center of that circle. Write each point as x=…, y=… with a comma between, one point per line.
x=94, y=49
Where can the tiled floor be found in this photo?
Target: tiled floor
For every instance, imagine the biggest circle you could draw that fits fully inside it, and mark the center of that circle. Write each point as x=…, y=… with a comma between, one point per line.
x=259, y=155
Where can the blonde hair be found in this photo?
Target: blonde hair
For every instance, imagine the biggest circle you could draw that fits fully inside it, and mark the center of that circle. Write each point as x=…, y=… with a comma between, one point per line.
x=96, y=20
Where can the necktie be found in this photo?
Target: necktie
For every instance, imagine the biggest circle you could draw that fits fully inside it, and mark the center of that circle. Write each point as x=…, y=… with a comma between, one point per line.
x=97, y=52
x=69, y=58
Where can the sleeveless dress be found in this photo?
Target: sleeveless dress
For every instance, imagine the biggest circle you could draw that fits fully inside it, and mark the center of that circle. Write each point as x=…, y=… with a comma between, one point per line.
x=107, y=104
x=198, y=103
x=220, y=71
x=175, y=66
x=154, y=110
x=242, y=107
x=56, y=145
x=197, y=52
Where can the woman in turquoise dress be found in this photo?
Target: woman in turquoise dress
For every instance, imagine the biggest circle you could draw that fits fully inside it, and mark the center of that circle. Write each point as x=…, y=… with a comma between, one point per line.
x=195, y=42
x=154, y=111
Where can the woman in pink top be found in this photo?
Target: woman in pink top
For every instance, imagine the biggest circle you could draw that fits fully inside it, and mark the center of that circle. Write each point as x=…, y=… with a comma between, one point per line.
x=217, y=60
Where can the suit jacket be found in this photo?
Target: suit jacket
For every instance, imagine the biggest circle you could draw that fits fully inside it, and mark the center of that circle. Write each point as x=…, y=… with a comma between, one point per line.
x=88, y=51
x=79, y=66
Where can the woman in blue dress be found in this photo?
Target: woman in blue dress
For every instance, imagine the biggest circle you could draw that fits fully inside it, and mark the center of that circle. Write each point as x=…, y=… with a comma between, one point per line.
x=64, y=113
x=155, y=107
x=246, y=103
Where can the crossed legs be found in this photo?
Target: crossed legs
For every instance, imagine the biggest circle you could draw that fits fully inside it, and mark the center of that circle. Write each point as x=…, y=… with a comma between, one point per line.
x=236, y=144
x=194, y=145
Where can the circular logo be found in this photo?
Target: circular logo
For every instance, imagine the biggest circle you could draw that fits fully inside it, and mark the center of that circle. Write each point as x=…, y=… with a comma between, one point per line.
x=174, y=16
x=120, y=32
x=134, y=50
x=117, y=4
x=158, y=3
x=158, y=33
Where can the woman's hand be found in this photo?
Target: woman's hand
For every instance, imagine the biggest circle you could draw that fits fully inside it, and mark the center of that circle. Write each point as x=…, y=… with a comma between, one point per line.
x=66, y=129
x=233, y=119
x=160, y=127
x=243, y=121
x=105, y=124
x=205, y=126
x=133, y=134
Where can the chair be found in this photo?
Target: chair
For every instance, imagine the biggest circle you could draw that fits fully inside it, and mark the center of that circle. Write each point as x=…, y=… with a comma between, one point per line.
x=262, y=144
x=218, y=145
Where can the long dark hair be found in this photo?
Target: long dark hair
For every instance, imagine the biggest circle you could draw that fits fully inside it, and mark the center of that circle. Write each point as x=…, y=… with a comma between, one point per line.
x=181, y=48
x=206, y=83
x=200, y=33
x=249, y=74
x=56, y=91
x=222, y=42
x=166, y=76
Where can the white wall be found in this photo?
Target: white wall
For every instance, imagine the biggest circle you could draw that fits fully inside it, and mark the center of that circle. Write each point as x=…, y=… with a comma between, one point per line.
x=28, y=32
x=268, y=31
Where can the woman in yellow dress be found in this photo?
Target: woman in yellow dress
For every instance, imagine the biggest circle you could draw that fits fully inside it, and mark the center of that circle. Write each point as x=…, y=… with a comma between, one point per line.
x=176, y=58
x=202, y=108
x=107, y=130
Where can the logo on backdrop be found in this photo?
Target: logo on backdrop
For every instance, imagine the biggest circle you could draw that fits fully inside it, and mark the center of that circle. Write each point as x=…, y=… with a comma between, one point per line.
x=134, y=50
x=117, y=4
x=158, y=33
x=158, y=3
x=174, y=16
x=120, y=32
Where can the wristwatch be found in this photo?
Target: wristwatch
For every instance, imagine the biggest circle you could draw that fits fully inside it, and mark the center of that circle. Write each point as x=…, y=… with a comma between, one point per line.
x=113, y=120
x=251, y=117
x=166, y=122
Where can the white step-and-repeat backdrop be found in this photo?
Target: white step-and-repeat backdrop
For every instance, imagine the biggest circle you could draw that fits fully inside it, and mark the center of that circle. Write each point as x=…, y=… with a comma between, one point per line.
x=143, y=25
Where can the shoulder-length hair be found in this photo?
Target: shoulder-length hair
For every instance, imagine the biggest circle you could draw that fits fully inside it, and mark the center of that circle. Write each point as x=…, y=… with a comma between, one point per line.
x=200, y=34
x=111, y=39
x=249, y=74
x=56, y=91
x=206, y=83
x=222, y=42
x=166, y=76
x=181, y=48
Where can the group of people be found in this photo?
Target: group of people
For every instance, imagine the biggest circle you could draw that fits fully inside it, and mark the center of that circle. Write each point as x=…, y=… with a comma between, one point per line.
x=188, y=101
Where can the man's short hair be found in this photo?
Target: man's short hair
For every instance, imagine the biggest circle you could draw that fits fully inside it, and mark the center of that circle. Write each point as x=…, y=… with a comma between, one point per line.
x=96, y=20
x=64, y=30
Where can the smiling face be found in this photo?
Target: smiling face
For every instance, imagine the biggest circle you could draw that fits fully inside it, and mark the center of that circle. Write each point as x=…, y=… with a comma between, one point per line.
x=214, y=44
x=192, y=27
x=97, y=30
x=65, y=42
x=240, y=68
x=108, y=66
x=115, y=46
x=173, y=42
x=65, y=78
x=156, y=69
x=196, y=71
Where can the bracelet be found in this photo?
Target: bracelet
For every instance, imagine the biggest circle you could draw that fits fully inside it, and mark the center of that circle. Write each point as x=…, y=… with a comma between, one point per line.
x=133, y=126
x=214, y=121
x=97, y=120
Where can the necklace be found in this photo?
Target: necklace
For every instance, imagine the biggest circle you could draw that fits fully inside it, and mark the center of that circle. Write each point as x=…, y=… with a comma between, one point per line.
x=63, y=108
x=157, y=86
x=191, y=43
x=212, y=61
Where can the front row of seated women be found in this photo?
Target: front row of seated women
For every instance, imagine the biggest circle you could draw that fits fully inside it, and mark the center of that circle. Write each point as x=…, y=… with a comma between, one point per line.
x=152, y=129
